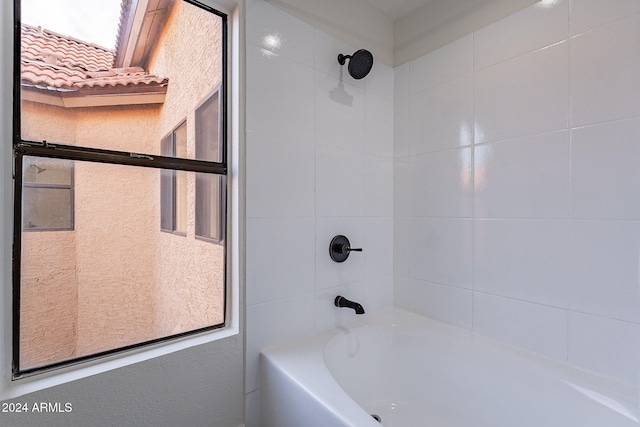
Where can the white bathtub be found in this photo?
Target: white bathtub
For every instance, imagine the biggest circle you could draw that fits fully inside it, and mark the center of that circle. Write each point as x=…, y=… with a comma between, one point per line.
x=416, y=372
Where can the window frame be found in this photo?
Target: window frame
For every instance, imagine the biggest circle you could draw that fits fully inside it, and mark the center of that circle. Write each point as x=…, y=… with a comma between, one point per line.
x=25, y=147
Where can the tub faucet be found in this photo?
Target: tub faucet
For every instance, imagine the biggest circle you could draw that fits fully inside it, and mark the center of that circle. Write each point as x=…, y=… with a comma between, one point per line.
x=341, y=301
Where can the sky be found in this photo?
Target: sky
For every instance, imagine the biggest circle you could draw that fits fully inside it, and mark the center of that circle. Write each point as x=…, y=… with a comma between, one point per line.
x=94, y=21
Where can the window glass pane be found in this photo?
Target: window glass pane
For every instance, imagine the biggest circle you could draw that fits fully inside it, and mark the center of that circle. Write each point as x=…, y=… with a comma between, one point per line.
x=209, y=206
x=167, y=200
x=181, y=201
x=46, y=209
x=119, y=92
x=208, y=129
x=40, y=170
x=116, y=279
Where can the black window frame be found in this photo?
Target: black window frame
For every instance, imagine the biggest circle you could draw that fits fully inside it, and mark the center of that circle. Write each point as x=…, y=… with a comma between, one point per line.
x=24, y=147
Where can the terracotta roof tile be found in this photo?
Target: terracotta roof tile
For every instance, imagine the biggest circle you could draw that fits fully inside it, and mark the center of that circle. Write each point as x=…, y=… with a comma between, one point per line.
x=54, y=62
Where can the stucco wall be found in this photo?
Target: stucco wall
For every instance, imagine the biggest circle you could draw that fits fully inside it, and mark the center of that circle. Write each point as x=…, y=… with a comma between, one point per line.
x=191, y=271
x=49, y=296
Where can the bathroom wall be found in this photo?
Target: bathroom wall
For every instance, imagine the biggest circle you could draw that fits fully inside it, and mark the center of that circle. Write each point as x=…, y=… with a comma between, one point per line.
x=516, y=183
x=319, y=163
x=195, y=387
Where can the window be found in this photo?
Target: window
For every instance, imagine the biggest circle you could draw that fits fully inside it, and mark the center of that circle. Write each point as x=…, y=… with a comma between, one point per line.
x=98, y=155
x=173, y=193
x=48, y=194
x=209, y=188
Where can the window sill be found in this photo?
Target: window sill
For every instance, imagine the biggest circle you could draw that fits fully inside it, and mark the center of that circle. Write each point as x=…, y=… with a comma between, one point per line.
x=19, y=387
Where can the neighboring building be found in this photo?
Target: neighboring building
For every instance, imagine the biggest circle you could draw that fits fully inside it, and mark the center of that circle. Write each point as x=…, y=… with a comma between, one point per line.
x=115, y=255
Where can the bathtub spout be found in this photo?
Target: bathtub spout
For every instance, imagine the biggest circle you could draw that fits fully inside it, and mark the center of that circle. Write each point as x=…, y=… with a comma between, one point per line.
x=341, y=301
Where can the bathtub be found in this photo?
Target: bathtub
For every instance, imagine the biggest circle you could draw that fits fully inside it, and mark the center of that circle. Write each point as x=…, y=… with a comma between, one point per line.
x=412, y=371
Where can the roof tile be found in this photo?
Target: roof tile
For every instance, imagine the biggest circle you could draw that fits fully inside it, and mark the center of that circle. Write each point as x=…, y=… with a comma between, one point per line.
x=55, y=62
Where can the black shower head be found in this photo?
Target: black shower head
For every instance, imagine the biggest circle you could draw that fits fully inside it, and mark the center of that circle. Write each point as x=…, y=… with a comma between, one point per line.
x=360, y=63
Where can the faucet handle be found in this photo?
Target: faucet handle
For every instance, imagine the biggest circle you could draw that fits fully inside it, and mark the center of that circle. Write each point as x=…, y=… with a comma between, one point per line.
x=340, y=248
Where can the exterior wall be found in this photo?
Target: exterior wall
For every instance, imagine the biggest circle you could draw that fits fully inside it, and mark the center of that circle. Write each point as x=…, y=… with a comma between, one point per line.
x=117, y=221
x=193, y=75
x=94, y=299
x=49, y=317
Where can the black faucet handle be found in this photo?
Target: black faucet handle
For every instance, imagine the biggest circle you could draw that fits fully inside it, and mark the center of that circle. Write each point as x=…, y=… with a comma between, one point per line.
x=340, y=248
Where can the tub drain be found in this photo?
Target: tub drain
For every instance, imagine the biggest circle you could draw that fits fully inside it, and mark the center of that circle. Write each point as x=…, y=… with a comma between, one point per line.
x=377, y=418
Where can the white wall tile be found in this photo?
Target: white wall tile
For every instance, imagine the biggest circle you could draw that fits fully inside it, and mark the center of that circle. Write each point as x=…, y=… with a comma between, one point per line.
x=523, y=96
x=401, y=188
x=339, y=182
x=403, y=293
x=604, y=171
x=401, y=232
x=378, y=186
x=527, y=260
x=378, y=293
x=274, y=323
x=441, y=184
x=605, y=266
x=589, y=14
x=275, y=267
x=311, y=120
x=274, y=101
x=279, y=33
x=440, y=251
x=379, y=81
x=378, y=247
x=442, y=116
x=521, y=33
x=401, y=120
x=340, y=114
x=606, y=346
x=272, y=180
x=534, y=327
x=523, y=178
x=445, y=303
x=326, y=52
x=605, y=66
x=329, y=273
x=378, y=130
x=442, y=65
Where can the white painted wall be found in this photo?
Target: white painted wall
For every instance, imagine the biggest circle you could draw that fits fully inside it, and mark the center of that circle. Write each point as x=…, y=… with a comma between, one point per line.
x=319, y=163
x=516, y=183
x=198, y=386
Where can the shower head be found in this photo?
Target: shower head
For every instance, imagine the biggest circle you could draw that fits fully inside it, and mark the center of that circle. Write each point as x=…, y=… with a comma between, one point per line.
x=360, y=63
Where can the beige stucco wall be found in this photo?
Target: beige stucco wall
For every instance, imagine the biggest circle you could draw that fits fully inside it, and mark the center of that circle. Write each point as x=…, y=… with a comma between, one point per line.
x=117, y=223
x=118, y=280
x=191, y=271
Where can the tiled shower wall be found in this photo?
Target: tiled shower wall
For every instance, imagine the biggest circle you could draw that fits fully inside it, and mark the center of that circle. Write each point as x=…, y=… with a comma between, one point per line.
x=517, y=183
x=319, y=163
